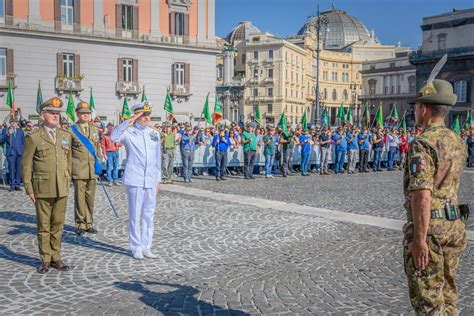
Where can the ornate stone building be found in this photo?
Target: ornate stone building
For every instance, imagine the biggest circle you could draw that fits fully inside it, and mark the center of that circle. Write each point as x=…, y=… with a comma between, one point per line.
x=449, y=33
x=116, y=47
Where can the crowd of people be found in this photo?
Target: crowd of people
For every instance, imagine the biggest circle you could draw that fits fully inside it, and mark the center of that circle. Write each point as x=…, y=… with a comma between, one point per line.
x=276, y=144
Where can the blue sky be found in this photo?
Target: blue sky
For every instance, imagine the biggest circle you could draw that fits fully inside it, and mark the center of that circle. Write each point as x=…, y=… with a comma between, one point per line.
x=393, y=20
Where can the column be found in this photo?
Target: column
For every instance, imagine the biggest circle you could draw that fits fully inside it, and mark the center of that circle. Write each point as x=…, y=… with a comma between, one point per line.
x=34, y=16
x=211, y=19
x=154, y=18
x=98, y=26
x=201, y=20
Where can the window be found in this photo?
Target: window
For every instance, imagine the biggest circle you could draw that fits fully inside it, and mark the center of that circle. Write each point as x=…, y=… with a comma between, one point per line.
x=392, y=65
x=460, y=89
x=270, y=54
x=334, y=76
x=345, y=95
x=334, y=94
x=255, y=55
x=244, y=59
x=372, y=86
x=325, y=75
x=179, y=24
x=220, y=72
x=2, y=8
x=3, y=64
x=179, y=75
x=127, y=69
x=127, y=17
x=411, y=84
x=269, y=108
x=325, y=94
x=68, y=65
x=255, y=92
x=270, y=92
x=270, y=73
x=255, y=73
x=67, y=11
x=442, y=41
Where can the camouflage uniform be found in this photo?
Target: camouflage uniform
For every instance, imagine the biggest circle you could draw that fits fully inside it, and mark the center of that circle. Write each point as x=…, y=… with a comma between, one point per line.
x=435, y=162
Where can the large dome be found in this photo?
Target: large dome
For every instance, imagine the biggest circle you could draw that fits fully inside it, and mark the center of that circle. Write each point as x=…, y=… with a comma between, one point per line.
x=341, y=31
x=241, y=32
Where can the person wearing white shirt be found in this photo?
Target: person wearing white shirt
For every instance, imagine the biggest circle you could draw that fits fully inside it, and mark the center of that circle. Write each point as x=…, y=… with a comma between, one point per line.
x=393, y=143
x=141, y=177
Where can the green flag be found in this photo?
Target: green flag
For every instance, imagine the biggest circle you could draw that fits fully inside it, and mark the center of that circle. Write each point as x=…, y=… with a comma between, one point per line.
x=304, y=121
x=403, y=123
x=325, y=117
x=205, y=111
x=10, y=98
x=341, y=115
x=92, y=104
x=217, y=111
x=468, y=122
x=258, y=115
x=125, y=109
x=70, y=111
x=144, y=97
x=366, y=115
x=39, y=98
x=168, y=107
x=282, y=123
x=349, y=117
x=393, y=115
x=456, y=126
x=379, y=116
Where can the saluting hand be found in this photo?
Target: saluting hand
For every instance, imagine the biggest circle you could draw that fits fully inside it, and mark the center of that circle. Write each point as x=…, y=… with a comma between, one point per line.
x=134, y=117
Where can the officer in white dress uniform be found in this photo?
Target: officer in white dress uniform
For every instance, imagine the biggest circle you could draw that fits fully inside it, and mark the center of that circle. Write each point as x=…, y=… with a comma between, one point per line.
x=142, y=176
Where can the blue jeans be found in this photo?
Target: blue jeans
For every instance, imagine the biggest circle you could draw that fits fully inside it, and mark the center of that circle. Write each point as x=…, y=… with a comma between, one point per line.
x=269, y=164
x=392, y=151
x=221, y=163
x=377, y=158
x=188, y=159
x=14, y=174
x=112, y=166
x=340, y=157
x=304, y=162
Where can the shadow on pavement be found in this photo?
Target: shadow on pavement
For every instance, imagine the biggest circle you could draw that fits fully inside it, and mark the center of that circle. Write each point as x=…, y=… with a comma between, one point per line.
x=178, y=301
x=10, y=255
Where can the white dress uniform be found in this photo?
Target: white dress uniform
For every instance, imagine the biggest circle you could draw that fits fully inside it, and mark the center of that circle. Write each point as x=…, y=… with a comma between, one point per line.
x=141, y=177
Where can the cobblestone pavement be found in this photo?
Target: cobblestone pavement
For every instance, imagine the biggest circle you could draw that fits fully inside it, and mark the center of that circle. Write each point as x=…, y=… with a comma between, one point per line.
x=214, y=259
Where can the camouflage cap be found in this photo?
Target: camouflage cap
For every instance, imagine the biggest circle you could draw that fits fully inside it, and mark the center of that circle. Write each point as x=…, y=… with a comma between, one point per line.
x=53, y=104
x=83, y=107
x=439, y=92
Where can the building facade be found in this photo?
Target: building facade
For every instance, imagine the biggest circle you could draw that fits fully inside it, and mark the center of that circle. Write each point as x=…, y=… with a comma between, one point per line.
x=116, y=48
x=449, y=33
x=387, y=82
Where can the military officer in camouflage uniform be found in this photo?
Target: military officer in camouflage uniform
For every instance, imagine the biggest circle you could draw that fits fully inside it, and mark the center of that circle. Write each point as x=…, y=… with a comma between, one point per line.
x=46, y=172
x=83, y=173
x=434, y=236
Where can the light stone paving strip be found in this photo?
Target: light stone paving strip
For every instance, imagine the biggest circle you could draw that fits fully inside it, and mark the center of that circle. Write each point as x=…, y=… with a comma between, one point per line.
x=376, y=221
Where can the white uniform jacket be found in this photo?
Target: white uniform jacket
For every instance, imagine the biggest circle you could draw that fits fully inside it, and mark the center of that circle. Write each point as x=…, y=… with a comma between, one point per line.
x=143, y=147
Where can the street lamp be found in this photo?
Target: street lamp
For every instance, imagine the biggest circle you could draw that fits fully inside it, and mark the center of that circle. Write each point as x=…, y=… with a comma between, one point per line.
x=315, y=24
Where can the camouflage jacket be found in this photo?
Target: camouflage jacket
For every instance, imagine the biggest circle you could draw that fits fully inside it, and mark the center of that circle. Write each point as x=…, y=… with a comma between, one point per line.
x=435, y=162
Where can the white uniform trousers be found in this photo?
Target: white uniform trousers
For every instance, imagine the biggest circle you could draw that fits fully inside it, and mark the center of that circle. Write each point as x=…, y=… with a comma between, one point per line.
x=141, y=210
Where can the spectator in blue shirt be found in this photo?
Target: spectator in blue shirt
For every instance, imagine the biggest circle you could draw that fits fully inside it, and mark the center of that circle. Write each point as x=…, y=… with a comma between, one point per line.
x=187, y=146
x=351, y=138
x=363, y=140
x=339, y=139
x=221, y=144
x=305, y=142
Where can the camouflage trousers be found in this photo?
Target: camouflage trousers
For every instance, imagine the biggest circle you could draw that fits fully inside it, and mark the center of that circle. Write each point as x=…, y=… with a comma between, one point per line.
x=433, y=291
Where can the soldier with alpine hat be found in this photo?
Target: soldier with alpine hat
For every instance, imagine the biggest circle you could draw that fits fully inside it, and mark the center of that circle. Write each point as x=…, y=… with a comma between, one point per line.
x=435, y=234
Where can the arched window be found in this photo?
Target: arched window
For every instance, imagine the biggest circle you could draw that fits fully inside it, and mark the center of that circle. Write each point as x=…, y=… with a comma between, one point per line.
x=344, y=95
x=373, y=85
x=460, y=89
x=334, y=94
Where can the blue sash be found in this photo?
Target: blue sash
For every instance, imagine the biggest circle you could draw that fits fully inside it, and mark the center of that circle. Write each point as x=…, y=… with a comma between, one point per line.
x=85, y=141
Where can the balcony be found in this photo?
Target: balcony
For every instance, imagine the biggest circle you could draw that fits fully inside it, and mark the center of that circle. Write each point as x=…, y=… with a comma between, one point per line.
x=181, y=90
x=66, y=84
x=268, y=80
x=4, y=81
x=127, y=87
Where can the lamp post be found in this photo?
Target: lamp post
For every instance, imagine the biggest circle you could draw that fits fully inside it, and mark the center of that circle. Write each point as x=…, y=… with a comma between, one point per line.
x=315, y=24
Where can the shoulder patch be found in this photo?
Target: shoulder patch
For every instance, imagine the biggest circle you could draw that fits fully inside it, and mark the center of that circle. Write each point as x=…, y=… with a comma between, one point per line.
x=416, y=165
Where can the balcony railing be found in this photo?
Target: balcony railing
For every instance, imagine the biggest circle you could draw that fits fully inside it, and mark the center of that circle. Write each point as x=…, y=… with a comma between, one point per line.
x=108, y=33
x=420, y=56
x=127, y=87
x=66, y=84
x=181, y=90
